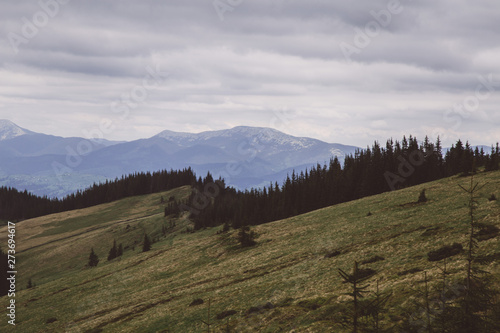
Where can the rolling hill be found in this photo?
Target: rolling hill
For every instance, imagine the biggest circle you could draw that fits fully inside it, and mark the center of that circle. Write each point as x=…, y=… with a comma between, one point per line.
x=288, y=282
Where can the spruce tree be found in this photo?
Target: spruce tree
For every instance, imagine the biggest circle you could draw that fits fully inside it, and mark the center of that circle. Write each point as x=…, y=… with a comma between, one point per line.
x=355, y=280
x=113, y=252
x=246, y=237
x=93, y=259
x=146, y=243
x=478, y=300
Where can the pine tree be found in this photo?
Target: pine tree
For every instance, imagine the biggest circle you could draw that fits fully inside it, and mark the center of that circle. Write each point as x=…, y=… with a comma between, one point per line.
x=479, y=296
x=355, y=280
x=246, y=237
x=93, y=259
x=113, y=252
x=146, y=243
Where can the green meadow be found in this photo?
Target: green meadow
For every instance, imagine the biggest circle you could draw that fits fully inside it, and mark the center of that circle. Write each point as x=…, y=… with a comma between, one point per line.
x=288, y=282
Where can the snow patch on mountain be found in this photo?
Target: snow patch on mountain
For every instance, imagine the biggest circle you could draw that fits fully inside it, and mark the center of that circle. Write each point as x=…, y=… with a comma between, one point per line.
x=9, y=130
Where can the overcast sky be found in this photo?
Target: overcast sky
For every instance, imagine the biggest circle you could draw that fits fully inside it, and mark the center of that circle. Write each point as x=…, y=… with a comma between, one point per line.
x=341, y=71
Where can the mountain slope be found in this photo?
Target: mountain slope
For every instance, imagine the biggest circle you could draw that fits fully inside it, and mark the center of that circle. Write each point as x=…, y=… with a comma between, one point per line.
x=284, y=283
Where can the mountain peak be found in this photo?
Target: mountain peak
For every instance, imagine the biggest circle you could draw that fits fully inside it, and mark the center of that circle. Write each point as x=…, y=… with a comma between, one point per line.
x=9, y=130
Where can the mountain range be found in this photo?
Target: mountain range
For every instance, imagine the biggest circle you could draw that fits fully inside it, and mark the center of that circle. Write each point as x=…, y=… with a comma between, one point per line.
x=244, y=156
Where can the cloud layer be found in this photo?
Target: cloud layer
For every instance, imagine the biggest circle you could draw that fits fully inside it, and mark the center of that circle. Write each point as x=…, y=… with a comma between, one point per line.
x=348, y=72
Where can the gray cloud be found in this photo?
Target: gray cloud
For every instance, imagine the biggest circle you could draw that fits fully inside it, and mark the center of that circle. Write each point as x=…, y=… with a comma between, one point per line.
x=264, y=56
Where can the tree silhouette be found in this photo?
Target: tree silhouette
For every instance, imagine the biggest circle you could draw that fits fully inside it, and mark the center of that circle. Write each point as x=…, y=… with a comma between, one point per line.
x=93, y=259
x=113, y=252
x=355, y=280
x=146, y=246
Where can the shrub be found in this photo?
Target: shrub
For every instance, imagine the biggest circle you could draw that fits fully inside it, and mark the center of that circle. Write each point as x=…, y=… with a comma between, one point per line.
x=246, y=237
x=422, y=197
x=486, y=231
x=93, y=259
x=146, y=246
x=445, y=252
x=196, y=302
x=332, y=254
x=225, y=314
x=492, y=197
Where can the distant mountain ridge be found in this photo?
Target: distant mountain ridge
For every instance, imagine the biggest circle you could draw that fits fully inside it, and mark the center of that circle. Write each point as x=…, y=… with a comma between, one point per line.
x=9, y=130
x=244, y=156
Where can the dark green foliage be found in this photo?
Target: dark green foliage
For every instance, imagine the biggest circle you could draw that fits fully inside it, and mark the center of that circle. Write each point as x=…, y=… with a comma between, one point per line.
x=422, y=198
x=93, y=259
x=15, y=205
x=332, y=254
x=246, y=237
x=445, y=252
x=30, y=284
x=113, y=252
x=365, y=173
x=146, y=244
x=196, y=302
x=355, y=280
x=478, y=304
x=492, y=197
x=374, y=309
x=486, y=231
x=225, y=314
x=369, y=214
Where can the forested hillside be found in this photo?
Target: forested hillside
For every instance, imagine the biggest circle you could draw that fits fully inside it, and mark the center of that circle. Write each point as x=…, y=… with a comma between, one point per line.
x=371, y=171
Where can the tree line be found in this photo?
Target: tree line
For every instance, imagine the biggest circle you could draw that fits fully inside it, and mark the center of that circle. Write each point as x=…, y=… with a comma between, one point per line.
x=16, y=205
x=369, y=171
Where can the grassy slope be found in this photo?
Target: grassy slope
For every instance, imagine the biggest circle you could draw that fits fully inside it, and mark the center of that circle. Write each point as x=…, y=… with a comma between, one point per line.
x=149, y=292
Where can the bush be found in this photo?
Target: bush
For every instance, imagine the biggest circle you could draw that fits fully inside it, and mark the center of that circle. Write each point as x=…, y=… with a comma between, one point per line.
x=146, y=245
x=445, y=252
x=225, y=314
x=246, y=237
x=492, y=197
x=196, y=302
x=422, y=197
x=486, y=231
x=332, y=254
x=93, y=259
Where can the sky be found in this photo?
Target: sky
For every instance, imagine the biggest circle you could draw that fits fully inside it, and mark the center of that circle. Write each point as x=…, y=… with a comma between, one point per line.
x=346, y=72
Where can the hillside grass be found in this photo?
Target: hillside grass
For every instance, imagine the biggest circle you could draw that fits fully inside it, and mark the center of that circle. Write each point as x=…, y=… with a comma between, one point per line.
x=152, y=291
